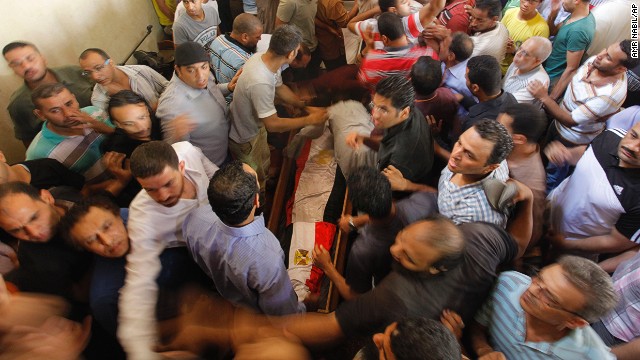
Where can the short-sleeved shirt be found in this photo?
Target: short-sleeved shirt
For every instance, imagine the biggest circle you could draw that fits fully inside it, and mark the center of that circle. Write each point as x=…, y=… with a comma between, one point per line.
x=468, y=203
x=47, y=173
x=143, y=81
x=575, y=36
x=203, y=32
x=442, y=105
x=487, y=109
x=227, y=57
x=492, y=42
x=521, y=30
x=80, y=153
x=379, y=64
x=454, y=17
x=409, y=147
x=25, y=123
x=412, y=29
x=462, y=288
x=623, y=321
x=599, y=195
x=301, y=13
x=253, y=99
x=516, y=84
x=589, y=105
x=207, y=108
x=505, y=320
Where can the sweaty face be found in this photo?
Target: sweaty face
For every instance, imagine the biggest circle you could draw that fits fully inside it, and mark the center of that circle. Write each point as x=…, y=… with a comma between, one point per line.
x=193, y=7
x=629, y=148
x=383, y=113
x=134, y=119
x=101, y=232
x=27, y=63
x=551, y=297
x=195, y=75
x=166, y=187
x=411, y=253
x=59, y=109
x=609, y=60
x=479, y=20
x=470, y=154
x=27, y=219
x=97, y=69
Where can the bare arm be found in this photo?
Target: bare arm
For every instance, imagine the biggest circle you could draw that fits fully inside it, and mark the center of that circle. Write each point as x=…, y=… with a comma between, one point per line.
x=480, y=343
x=521, y=224
x=611, y=264
x=555, y=8
x=274, y=123
x=399, y=183
x=614, y=242
x=573, y=63
x=430, y=11
x=322, y=259
x=539, y=91
x=628, y=351
x=363, y=16
x=286, y=95
x=314, y=329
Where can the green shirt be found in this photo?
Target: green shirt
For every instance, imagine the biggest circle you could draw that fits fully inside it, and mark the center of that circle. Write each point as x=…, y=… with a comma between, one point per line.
x=576, y=36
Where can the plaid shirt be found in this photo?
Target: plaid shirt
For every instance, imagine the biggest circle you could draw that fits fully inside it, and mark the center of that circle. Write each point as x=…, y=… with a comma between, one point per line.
x=624, y=321
x=468, y=203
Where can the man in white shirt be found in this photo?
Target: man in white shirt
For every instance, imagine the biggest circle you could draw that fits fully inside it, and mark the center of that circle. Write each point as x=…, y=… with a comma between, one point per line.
x=489, y=35
x=174, y=179
x=526, y=67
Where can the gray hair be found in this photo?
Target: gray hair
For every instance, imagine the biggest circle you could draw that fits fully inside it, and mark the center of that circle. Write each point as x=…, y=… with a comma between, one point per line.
x=543, y=47
x=285, y=39
x=593, y=282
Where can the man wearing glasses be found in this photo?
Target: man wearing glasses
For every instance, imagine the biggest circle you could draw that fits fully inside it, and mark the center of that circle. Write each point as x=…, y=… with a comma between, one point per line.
x=522, y=24
x=98, y=66
x=26, y=61
x=547, y=316
x=526, y=67
x=489, y=35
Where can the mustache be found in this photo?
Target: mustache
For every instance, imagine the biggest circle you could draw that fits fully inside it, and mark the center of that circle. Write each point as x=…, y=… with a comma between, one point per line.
x=631, y=152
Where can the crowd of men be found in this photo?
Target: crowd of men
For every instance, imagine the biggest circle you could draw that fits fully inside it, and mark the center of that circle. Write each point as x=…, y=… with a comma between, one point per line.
x=491, y=151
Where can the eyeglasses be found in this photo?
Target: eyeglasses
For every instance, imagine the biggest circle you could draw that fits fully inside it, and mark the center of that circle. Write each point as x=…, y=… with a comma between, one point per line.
x=523, y=52
x=547, y=298
x=375, y=107
x=98, y=68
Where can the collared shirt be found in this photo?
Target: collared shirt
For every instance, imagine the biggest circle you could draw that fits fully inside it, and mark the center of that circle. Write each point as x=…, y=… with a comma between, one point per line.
x=454, y=79
x=599, y=195
x=624, y=321
x=80, y=153
x=468, y=203
x=589, y=104
x=487, y=109
x=206, y=108
x=246, y=263
x=143, y=81
x=153, y=228
x=505, y=320
x=625, y=119
x=492, y=42
x=409, y=147
x=227, y=57
x=25, y=123
x=516, y=84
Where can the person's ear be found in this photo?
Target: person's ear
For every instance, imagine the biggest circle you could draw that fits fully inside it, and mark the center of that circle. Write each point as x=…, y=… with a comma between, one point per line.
x=404, y=113
x=38, y=113
x=176, y=68
x=475, y=88
x=2, y=157
x=256, y=201
x=490, y=168
x=46, y=196
x=519, y=139
x=575, y=322
x=181, y=167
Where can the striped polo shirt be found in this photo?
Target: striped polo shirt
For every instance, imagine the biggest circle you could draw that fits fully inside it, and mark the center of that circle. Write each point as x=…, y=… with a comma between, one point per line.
x=379, y=64
x=412, y=29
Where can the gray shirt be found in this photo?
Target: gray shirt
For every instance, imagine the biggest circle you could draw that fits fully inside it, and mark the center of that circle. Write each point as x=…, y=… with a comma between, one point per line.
x=203, y=32
x=253, y=99
x=206, y=108
x=143, y=81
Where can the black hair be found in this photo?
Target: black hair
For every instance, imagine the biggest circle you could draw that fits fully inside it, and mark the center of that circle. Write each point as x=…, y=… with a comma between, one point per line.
x=528, y=120
x=423, y=338
x=151, y=158
x=103, y=201
x=426, y=75
x=100, y=52
x=461, y=46
x=386, y=4
x=629, y=62
x=231, y=193
x=496, y=133
x=17, y=45
x=493, y=7
x=19, y=187
x=127, y=97
x=390, y=25
x=484, y=71
x=398, y=89
x=46, y=91
x=370, y=192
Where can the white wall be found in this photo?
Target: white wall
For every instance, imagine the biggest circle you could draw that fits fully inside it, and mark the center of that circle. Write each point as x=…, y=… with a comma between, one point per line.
x=62, y=29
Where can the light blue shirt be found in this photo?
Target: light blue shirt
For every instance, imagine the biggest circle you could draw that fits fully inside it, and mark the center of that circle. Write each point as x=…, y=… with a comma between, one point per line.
x=454, y=79
x=505, y=320
x=246, y=263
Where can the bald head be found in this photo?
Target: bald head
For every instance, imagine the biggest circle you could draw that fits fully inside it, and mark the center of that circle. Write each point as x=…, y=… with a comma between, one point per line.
x=247, y=30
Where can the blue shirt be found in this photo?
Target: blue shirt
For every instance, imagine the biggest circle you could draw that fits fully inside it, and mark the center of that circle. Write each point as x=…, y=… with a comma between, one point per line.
x=246, y=263
x=505, y=320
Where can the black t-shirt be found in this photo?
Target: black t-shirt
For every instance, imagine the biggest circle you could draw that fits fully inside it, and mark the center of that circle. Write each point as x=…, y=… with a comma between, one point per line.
x=408, y=294
x=47, y=173
x=409, y=147
x=488, y=109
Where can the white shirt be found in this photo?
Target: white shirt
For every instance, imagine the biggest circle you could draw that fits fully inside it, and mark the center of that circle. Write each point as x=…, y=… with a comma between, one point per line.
x=517, y=84
x=493, y=42
x=153, y=228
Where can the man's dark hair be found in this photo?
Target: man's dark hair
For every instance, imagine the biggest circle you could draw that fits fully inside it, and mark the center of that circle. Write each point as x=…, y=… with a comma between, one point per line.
x=80, y=209
x=629, y=62
x=16, y=45
x=100, y=52
x=231, y=193
x=495, y=132
x=422, y=338
x=127, y=97
x=285, y=39
x=492, y=7
x=151, y=158
x=426, y=75
x=461, y=46
x=390, y=25
x=386, y=4
x=398, y=89
x=484, y=71
x=19, y=187
x=370, y=192
x=246, y=24
x=528, y=120
x=46, y=91
x=304, y=50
